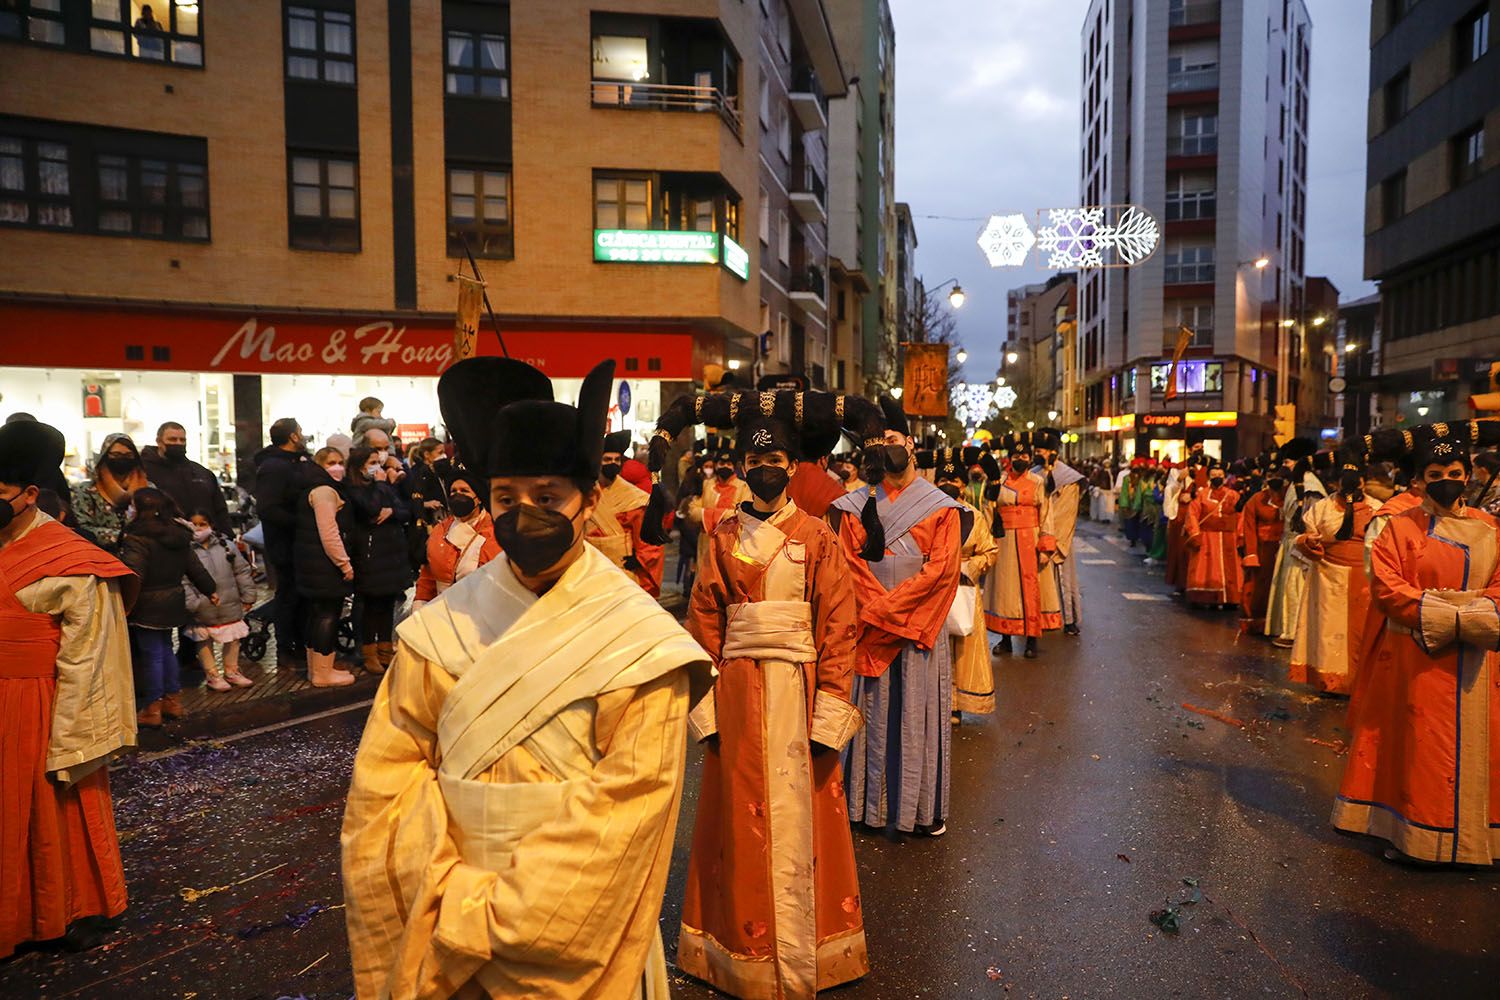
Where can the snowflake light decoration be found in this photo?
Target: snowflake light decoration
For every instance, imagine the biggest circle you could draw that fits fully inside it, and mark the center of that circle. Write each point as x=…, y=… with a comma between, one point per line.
x=1079, y=238
x=972, y=402
x=1005, y=397
x=1006, y=240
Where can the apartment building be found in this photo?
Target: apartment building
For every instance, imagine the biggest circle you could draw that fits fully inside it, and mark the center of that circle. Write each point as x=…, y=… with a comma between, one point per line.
x=235, y=211
x=1037, y=315
x=1196, y=110
x=1432, y=204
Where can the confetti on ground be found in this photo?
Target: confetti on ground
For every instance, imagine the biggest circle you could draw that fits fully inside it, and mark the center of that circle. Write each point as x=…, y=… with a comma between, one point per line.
x=1220, y=716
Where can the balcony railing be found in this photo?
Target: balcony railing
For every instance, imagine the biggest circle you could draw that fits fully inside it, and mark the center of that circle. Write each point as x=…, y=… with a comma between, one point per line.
x=1191, y=205
x=1193, y=12
x=808, y=100
x=1193, y=79
x=1192, y=145
x=1203, y=336
x=809, y=281
x=667, y=97
x=1188, y=274
x=805, y=81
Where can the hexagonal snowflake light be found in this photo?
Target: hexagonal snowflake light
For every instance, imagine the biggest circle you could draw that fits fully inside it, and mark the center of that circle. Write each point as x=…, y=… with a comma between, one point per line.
x=1006, y=240
x=1005, y=397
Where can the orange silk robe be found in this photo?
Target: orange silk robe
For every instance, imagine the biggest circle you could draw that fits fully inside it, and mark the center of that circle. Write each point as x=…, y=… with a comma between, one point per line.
x=1425, y=710
x=1336, y=601
x=812, y=489
x=1211, y=535
x=1261, y=527
x=772, y=907
x=618, y=536
x=888, y=620
x=1021, y=598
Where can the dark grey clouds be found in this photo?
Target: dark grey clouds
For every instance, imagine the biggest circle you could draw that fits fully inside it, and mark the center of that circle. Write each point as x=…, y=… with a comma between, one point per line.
x=987, y=120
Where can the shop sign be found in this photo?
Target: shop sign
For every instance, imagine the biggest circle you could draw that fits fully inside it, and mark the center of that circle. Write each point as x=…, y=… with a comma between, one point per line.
x=410, y=434
x=624, y=398
x=1215, y=418
x=650, y=246
x=1151, y=421
x=736, y=259
x=1109, y=425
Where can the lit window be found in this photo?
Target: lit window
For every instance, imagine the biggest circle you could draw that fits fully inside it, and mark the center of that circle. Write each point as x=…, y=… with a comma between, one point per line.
x=477, y=65
x=161, y=31
x=35, y=188
x=1473, y=37
x=479, y=212
x=1468, y=154
x=622, y=202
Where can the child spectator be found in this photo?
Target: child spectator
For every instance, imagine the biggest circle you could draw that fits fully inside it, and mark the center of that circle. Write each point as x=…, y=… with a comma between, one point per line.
x=371, y=418
x=223, y=622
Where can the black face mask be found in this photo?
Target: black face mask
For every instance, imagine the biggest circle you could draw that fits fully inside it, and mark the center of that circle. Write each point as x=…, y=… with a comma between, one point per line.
x=534, y=539
x=1216, y=482
x=608, y=471
x=174, y=452
x=897, y=458
x=767, y=482
x=723, y=473
x=1020, y=465
x=7, y=513
x=121, y=465
x=950, y=489
x=1277, y=485
x=1445, y=491
x=976, y=477
x=461, y=505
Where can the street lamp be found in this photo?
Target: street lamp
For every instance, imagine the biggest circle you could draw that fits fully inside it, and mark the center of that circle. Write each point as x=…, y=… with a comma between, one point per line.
x=1350, y=347
x=734, y=364
x=1421, y=411
x=1261, y=263
x=961, y=356
x=1011, y=357
x=956, y=297
x=1319, y=320
x=1287, y=324
x=1052, y=415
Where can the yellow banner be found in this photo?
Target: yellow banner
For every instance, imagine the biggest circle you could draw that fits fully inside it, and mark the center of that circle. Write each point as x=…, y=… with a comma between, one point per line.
x=925, y=388
x=466, y=318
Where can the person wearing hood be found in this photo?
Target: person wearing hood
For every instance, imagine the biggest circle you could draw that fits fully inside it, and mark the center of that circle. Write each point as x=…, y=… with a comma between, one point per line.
x=99, y=504
x=906, y=563
x=158, y=548
x=514, y=800
x=615, y=527
x=460, y=543
x=281, y=473
x=190, y=485
x=65, y=709
x=774, y=607
x=1336, y=601
x=1212, y=537
x=1421, y=769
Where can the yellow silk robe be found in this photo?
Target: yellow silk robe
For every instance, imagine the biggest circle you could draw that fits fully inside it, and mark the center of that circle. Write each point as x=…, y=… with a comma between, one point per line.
x=515, y=796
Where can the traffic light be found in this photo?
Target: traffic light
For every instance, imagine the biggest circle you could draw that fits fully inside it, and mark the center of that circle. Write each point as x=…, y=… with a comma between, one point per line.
x=1286, y=423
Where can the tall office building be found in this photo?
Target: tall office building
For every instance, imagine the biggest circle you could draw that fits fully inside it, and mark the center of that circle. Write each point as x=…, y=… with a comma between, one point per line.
x=1432, y=205
x=1195, y=110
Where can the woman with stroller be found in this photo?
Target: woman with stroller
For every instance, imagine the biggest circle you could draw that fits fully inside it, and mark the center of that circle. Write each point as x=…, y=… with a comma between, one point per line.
x=156, y=547
x=322, y=566
x=382, y=570
x=222, y=621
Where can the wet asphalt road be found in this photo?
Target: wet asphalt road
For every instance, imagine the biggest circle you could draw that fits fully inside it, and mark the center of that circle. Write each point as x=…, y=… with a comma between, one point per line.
x=1088, y=801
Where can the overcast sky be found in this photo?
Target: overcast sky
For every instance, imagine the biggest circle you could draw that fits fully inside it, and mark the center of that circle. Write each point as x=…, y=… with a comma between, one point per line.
x=987, y=120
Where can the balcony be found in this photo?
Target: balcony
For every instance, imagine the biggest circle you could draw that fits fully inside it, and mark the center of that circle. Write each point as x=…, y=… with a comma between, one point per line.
x=809, y=197
x=1187, y=272
x=808, y=100
x=668, y=97
x=1192, y=80
x=808, y=290
x=1192, y=145
x=1189, y=12
x=1187, y=205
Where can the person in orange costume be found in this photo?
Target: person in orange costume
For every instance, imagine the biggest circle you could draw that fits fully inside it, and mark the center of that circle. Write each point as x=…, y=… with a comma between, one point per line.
x=68, y=707
x=1261, y=527
x=459, y=545
x=1422, y=767
x=653, y=558
x=615, y=527
x=1212, y=537
x=772, y=907
x=899, y=767
x=1020, y=599
x=722, y=494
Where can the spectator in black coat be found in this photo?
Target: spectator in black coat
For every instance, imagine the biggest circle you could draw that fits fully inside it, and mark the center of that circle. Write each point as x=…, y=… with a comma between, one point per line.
x=157, y=547
x=280, y=481
x=190, y=485
x=378, y=548
x=324, y=570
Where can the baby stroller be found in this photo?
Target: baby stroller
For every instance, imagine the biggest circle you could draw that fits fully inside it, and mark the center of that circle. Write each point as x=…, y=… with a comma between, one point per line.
x=254, y=645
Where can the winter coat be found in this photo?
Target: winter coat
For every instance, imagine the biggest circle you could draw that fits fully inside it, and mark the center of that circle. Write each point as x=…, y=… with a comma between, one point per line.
x=193, y=487
x=370, y=422
x=423, y=484
x=316, y=574
x=382, y=565
x=160, y=553
x=280, y=481
x=233, y=581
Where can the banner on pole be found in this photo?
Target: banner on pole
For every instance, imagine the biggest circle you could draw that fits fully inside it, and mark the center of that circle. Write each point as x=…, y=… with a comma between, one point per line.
x=924, y=391
x=1184, y=338
x=466, y=318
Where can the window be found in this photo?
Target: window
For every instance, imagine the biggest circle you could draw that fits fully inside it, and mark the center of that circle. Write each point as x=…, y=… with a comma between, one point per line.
x=479, y=212
x=765, y=218
x=622, y=202
x=784, y=133
x=35, y=189
x=477, y=65
x=1397, y=96
x=319, y=45
x=164, y=31
x=33, y=20
x=1473, y=36
x=142, y=196
x=1196, y=135
x=783, y=238
x=1468, y=154
x=324, y=202
x=1191, y=197
x=1393, y=197
x=1189, y=265
x=765, y=102
x=622, y=57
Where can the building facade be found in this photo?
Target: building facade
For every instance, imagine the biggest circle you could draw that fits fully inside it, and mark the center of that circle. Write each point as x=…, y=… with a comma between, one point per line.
x=1432, y=203
x=1358, y=349
x=244, y=211
x=1195, y=110
x=1038, y=317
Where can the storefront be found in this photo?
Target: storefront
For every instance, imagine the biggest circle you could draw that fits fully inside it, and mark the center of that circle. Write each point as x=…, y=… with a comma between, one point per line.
x=227, y=374
x=1169, y=436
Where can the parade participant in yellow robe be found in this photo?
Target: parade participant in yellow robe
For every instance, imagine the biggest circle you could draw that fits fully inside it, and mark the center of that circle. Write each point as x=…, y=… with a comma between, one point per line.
x=510, y=822
x=1064, y=494
x=615, y=527
x=1021, y=597
x=772, y=905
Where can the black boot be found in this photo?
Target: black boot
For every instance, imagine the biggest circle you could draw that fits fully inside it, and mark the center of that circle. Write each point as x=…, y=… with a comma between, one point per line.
x=1002, y=647
x=1070, y=630
x=1030, y=653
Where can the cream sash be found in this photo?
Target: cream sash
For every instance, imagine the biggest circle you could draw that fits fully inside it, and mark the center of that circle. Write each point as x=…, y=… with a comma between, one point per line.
x=606, y=532
x=770, y=630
